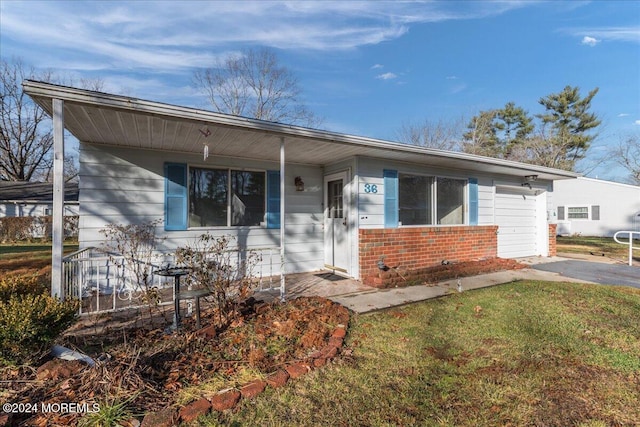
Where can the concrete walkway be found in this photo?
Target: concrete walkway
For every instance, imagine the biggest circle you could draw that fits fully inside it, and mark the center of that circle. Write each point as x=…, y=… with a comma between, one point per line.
x=378, y=299
x=363, y=299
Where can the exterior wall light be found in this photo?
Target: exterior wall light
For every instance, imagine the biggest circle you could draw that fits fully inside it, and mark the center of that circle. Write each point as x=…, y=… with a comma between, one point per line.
x=299, y=184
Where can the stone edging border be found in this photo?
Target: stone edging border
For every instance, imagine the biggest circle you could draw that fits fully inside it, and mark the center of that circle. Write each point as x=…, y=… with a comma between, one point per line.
x=229, y=398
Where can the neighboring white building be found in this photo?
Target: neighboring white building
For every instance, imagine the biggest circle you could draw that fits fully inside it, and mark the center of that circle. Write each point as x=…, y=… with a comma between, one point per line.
x=593, y=207
x=34, y=199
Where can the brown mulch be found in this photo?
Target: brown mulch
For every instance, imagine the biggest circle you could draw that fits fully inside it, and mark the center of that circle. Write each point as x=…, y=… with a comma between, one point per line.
x=149, y=368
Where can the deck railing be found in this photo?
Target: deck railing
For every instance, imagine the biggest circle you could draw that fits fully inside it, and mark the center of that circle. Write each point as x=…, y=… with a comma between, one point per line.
x=103, y=282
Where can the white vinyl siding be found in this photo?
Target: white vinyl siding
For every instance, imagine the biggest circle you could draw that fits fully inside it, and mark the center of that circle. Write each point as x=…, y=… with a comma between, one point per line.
x=612, y=206
x=122, y=186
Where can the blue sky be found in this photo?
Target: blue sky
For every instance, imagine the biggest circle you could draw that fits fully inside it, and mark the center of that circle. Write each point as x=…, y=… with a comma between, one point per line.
x=365, y=67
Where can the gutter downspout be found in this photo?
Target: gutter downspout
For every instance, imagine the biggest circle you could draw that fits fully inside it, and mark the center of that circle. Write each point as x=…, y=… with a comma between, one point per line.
x=58, y=199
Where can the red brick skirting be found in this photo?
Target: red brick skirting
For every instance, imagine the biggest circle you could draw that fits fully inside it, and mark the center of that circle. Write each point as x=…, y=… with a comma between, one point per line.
x=409, y=249
x=552, y=239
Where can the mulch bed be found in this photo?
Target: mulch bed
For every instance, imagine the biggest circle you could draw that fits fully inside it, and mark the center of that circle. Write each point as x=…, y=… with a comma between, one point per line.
x=149, y=368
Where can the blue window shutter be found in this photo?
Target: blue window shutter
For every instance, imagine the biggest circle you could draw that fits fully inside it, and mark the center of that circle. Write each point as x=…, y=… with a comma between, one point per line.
x=390, y=198
x=273, y=199
x=175, y=196
x=473, y=201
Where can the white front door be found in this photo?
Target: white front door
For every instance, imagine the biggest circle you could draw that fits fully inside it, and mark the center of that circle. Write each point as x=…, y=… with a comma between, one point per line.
x=336, y=224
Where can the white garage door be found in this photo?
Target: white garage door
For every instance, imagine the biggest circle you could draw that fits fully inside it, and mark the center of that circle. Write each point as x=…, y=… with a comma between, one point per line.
x=515, y=215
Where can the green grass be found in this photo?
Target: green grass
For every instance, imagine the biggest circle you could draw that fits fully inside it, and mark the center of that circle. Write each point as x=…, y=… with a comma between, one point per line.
x=9, y=250
x=524, y=353
x=585, y=245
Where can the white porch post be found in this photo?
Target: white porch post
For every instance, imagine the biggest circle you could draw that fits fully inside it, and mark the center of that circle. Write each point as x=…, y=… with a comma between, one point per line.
x=282, y=222
x=58, y=199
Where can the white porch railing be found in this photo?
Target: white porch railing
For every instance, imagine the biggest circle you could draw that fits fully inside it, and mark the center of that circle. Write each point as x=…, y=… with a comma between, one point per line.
x=631, y=237
x=103, y=283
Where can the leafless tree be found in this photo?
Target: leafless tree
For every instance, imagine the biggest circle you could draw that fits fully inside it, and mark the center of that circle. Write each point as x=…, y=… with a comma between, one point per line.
x=25, y=130
x=255, y=85
x=627, y=154
x=442, y=135
x=26, y=138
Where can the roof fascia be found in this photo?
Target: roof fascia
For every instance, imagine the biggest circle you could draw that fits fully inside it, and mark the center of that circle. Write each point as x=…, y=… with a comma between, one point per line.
x=101, y=99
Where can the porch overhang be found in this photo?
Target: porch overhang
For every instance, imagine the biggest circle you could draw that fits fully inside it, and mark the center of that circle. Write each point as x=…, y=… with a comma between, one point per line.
x=101, y=118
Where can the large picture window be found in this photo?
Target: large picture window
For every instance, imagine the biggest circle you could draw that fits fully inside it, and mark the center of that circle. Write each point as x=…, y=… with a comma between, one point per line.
x=425, y=200
x=224, y=197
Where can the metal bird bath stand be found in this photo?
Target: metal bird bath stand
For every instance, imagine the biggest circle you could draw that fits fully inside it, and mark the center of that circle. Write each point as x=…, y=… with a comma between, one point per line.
x=176, y=273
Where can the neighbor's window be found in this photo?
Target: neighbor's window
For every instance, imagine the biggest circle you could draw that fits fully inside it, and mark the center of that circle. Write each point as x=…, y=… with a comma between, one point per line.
x=421, y=198
x=224, y=197
x=581, y=212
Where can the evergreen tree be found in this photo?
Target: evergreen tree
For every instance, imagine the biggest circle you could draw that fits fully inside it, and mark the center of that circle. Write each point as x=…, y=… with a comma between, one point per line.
x=495, y=133
x=568, y=123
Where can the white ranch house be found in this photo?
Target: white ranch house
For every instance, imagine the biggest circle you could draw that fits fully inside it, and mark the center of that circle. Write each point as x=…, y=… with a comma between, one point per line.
x=594, y=207
x=324, y=200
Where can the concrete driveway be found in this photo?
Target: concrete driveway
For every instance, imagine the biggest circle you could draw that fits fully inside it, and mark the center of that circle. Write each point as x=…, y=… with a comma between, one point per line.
x=596, y=272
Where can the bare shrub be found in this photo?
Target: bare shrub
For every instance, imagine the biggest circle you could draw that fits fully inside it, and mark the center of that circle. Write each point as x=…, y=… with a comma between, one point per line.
x=216, y=265
x=16, y=228
x=136, y=244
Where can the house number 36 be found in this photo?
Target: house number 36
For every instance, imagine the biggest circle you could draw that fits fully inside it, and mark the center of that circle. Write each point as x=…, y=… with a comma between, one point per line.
x=370, y=188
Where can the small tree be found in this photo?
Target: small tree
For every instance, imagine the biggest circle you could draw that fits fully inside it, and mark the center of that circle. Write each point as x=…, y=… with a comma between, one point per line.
x=216, y=266
x=137, y=244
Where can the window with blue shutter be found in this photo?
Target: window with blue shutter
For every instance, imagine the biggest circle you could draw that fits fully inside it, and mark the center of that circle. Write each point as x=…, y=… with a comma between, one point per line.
x=175, y=196
x=273, y=199
x=390, y=198
x=473, y=201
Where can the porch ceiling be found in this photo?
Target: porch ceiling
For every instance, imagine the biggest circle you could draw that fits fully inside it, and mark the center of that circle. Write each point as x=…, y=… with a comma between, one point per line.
x=100, y=118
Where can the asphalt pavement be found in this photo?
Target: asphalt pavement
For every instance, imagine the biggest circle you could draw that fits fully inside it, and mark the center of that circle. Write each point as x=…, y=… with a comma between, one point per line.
x=595, y=272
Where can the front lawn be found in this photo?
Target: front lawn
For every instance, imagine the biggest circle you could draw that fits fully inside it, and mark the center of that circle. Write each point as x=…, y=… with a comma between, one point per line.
x=600, y=246
x=29, y=258
x=525, y=353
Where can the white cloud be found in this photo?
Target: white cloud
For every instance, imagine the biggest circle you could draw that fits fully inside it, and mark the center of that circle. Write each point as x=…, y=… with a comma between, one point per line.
x=387, y=76
x=637, y=122
x=167, y=36
x=623, y=115
x=452, y=77
x=589, y=41
x=622, y=34
x=376, y=66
